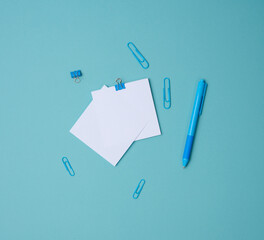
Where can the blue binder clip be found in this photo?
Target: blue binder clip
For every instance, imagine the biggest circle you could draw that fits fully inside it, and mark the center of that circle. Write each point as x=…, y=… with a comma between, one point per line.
x=139, y=188
x=166, y=99
x=119, y=85
x=137, y=54
x=68, y=166
x=76, y=75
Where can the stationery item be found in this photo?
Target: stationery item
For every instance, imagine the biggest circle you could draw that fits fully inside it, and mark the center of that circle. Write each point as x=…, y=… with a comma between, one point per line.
x=76, y=75
x=166, y=97
x=115, y=119
x=139, y=188
x=124, y=109
x=119, y=85
x=137, y=54
x=197, y=111
x=68, y=166
x=88, y=131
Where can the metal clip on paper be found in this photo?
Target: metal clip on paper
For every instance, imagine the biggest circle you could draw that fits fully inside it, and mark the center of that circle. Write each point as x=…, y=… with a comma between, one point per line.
x=137, y=54
x=119, y=85
x=68, y=166
x=76, y=75
x=166, y=97
x=139, y=189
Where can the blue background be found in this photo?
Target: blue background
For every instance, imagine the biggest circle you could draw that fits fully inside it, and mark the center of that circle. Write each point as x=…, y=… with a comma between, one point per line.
x=219, y=196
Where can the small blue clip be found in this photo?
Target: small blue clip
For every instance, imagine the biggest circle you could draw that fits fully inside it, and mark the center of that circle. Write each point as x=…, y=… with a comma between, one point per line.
x=68, y=166
x=202, y=103
x=119, y=85
x=139, y=188
x=140, y=58
x=76, y=75
x=166, y=99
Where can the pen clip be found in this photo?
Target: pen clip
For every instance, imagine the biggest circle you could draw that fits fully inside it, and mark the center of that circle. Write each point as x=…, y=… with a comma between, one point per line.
x=202, y=102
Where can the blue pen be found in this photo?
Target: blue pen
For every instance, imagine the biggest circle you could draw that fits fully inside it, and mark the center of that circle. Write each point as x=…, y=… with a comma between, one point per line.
x=197, y=111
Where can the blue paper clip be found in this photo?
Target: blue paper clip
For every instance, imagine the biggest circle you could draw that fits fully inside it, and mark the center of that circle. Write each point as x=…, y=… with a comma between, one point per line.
x=76, y=75
x=166, y=99
x=137, y=54
x=68, y=166
x=119, y=85
x=139, y=188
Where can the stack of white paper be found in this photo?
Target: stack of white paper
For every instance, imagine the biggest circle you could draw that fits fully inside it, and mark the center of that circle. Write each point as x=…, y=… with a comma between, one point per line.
x=115, y=119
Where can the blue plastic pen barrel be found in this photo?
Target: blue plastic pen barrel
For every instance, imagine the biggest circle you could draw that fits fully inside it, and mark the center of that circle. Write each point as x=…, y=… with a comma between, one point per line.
x=197, y=111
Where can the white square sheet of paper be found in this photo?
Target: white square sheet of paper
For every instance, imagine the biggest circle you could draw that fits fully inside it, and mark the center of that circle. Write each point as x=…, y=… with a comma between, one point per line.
x=116, y=110
x=87, y=130
x=115, y=119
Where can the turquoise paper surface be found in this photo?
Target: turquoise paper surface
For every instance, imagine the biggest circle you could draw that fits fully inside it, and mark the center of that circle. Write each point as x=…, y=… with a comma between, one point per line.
x=218, y=196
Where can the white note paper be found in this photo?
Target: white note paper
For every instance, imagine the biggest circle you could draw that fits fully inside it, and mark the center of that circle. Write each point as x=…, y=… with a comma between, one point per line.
x=127, y=106
x=115, y=119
